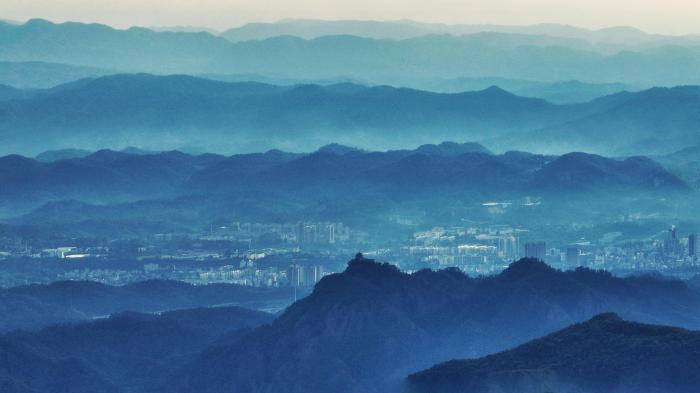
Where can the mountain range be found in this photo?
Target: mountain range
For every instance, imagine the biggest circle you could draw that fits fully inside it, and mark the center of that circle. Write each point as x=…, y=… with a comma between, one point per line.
x=365, y=329
x=637, y=118
x=151, y=111
x=22, y=79
x=336, y=182
x=604, y=354
x=544, y=53
x=403, y=29
x=169, y=112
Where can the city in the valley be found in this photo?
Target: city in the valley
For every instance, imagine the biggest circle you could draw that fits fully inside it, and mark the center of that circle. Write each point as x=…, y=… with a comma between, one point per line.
x=299, y=254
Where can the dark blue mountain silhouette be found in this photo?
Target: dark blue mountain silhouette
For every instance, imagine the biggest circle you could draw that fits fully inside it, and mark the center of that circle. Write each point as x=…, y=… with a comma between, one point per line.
x=604, y=354
x=368, y=327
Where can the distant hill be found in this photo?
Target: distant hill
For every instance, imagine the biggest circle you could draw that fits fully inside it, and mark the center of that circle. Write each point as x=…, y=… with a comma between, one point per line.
x=557, y=92
x=571, y=91
x=685, y=163
x=449, y=166
x=577, y=171
x=63, y=154
x=43, y=75
x=125, y=352
x=10, y=93
x=336, y=148
x=37, y=306
x=636, y=118
x=604, y=354
x=452, y=149
x=100, y=46
x=309, y=29
x=365, y=329
x=106, y=176
x=184, y=29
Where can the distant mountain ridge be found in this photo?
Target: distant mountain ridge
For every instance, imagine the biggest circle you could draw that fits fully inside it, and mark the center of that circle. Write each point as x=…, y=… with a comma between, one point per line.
x=403, y=29
x=42, y=75
x=545, y=53
x=10, y=93
x=146, y=110
x=111, y=177
x=63, y=154
x=34, y=307
x=636, y=118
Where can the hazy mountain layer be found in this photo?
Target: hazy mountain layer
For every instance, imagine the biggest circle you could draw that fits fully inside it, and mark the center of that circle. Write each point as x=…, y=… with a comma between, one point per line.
x=37, y=306
x=561, y=92
x=613, y=37
x=335, y=182
x=41, y=75
x=162, y=113
x=547, y=53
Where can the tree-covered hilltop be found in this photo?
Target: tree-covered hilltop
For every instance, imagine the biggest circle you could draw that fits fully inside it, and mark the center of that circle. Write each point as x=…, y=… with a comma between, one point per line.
x=604, y=354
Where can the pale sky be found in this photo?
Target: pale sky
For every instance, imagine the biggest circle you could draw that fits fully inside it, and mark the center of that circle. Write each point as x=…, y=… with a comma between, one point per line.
x=657, y=16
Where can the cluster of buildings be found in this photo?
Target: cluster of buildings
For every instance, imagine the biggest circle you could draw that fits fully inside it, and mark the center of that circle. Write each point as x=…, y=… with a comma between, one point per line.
x=489, y=250
x=299, y=233
x=669, y=253
x=304, y=276
x=227, y=254
x=235, y=240
x=473, y=250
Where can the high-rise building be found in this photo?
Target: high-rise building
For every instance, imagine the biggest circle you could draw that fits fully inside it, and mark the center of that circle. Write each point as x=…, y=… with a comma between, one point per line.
x=312, y=275
x=508, y=247
x=536, y=250
x=672, y=243
x=331, y=233
x=572, y=254
x=295, y=275
x=299, y=232
x=692, y=245
x=304, y=276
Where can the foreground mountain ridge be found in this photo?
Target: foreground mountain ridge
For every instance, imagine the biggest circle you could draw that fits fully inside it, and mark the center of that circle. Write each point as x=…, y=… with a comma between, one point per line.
x=604, y=354
x=368, y=327
x=126, y=352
